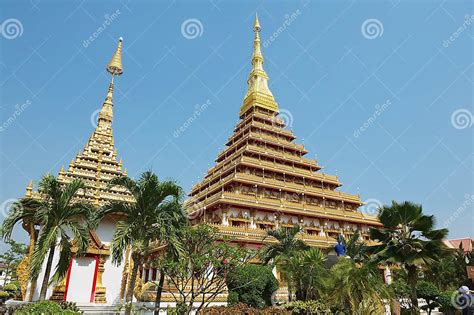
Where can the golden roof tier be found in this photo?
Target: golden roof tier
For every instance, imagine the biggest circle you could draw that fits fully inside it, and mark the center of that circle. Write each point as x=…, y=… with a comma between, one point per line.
x=262, y=179
x=98, y=164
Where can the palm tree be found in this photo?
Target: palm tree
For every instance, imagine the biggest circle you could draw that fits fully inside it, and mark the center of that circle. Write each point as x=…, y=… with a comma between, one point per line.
x=357, y=288
x=59, y=215
x=306, y=272
x=156, y=208
x=167, y=230
x=408, y=239
x=286, y=245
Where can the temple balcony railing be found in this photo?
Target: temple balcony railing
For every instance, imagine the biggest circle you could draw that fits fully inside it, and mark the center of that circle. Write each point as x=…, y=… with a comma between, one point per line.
x=260, y=235
x=276, y=166
x=283, y=206
x=261, y=136
x=287, y=186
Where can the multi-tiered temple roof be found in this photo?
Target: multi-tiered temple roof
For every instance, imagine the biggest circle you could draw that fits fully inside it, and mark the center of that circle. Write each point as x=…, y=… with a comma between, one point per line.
x=262, y=179
x=98, y=164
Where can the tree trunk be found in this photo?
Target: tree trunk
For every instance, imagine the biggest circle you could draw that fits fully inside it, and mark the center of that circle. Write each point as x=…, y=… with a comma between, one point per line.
x=412, y=280
x=47, y=273
x=159, y=289
x=131, y=287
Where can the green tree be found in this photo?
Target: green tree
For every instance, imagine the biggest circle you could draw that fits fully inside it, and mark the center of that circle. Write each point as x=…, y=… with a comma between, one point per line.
x=449, y=272
x=286, y=244
x=143, y=221
x=357, y=249
x=199, y=275
x=409, y=240
x=305, y=272
x=251, y=284
x=357, y=288
x=11, y=258
x=430, y=293
x=59, y=214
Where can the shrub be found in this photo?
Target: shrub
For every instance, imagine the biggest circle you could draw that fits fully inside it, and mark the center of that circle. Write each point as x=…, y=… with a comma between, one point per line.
x=242, y=309
x=10, y=287
x=252, y=285
x=69, y=306
x=446, y=303
x=308, y=307
x=43, y=307
x=4, y=296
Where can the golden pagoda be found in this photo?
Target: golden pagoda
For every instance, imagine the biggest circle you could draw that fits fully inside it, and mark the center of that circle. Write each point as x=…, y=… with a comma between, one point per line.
x=262, y=180
x=96, y=165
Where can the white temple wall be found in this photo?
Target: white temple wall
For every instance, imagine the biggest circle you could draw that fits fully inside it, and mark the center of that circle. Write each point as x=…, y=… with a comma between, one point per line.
x=112, y=280
x=39, y=281
x=81, y=279
x=105, y=230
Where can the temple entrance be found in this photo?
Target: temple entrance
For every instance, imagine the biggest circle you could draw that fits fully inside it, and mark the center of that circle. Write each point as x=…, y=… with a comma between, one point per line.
x=81, y=282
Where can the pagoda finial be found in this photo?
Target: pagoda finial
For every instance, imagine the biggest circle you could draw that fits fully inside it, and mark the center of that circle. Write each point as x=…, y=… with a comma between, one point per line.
x=256, y=24
x=115, y=68
x=115, y=65
x=258, y=93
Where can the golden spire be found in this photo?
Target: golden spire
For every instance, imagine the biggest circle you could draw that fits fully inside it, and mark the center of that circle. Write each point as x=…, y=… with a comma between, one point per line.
x=29, y=189
x=258, y=93
x=115, y=65
x=115, y=68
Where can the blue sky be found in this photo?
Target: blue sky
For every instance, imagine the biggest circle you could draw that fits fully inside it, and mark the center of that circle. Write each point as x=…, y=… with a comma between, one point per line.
x=380, y=92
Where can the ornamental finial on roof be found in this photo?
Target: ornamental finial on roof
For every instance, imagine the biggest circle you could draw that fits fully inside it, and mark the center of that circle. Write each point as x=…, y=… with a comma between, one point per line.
x=115, y=65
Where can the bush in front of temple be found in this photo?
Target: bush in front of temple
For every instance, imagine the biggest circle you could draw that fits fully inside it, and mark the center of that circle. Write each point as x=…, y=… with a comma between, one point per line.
x=46, y=307
x=242, y=309
x=252, y=285
x=308, y=307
